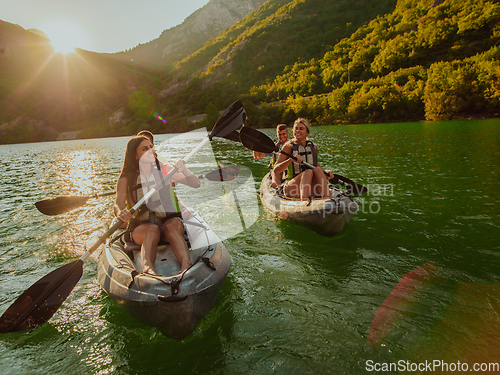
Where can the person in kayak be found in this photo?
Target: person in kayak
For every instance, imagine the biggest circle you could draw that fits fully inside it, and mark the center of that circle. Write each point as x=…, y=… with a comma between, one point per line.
x=161, y=218
x=282, y=133
x=121, y=184
x=301, y=181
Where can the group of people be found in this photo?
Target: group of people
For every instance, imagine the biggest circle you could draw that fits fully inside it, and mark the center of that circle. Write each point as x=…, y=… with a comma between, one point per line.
x=162, y=217
x=292, y=176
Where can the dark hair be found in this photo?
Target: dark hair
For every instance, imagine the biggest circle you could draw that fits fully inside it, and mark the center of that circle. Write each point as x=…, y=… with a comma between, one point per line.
x=281, y=127
x=147, y=134
x=130, y=163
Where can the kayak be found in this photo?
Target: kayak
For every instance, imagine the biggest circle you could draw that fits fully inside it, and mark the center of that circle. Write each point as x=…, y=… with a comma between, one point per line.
x=326, y=216
x=174, y=303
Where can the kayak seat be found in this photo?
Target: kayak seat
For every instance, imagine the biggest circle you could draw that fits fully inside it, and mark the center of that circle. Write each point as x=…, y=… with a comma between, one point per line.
x=129, y=246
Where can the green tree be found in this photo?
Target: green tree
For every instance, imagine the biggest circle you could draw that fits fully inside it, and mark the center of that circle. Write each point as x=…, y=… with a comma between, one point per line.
x=141, y=103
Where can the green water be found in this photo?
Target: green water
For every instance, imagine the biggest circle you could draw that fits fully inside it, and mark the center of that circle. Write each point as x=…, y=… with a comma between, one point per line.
x=294, y=302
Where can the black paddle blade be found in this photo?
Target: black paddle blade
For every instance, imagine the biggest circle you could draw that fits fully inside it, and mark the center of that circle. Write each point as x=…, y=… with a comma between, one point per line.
x=37, y=304
x=233, y=136
x=60, y=205
x=224, y=174
x=352, y=187
x=256, y=141
x=232, y=119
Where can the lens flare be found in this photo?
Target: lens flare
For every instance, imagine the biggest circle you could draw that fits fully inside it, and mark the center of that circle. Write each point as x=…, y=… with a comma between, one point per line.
x=157, y=115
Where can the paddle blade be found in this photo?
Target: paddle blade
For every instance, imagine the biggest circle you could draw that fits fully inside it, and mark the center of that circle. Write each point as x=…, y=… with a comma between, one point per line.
x=352, y=187
x=256, y=141
x=233, y=136
x=224, y=174
x=60, y=205
x=39, y=303
x=232, y=119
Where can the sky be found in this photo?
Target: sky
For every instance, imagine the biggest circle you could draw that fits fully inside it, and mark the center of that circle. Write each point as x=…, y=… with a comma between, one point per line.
x=99, y=25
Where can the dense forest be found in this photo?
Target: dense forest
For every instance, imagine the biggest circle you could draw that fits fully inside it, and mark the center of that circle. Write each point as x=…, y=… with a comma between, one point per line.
x=335, y=62
x=261, y=47
x=425, y=59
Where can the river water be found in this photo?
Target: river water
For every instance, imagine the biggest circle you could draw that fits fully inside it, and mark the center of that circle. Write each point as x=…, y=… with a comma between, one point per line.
x=294, y=302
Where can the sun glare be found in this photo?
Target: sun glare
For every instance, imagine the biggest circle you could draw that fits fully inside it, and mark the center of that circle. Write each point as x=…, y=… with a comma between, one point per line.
x=65, y=36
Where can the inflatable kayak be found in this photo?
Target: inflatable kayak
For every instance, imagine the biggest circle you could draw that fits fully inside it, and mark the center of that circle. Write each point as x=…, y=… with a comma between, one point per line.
x=326, y=216
x=172, y=302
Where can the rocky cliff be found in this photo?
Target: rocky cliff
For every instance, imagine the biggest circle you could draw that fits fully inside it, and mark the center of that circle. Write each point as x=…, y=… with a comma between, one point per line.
x=178, y=42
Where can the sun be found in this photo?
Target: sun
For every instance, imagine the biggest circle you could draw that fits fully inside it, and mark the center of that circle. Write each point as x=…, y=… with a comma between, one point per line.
x=65, y=36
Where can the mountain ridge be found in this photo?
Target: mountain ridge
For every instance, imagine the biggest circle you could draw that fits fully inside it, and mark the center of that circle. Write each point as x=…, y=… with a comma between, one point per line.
x=412, y=60
x=337, y=62
x=179, y=41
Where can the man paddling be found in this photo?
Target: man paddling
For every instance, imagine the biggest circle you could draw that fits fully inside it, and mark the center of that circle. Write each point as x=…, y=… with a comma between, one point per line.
x=282, y=133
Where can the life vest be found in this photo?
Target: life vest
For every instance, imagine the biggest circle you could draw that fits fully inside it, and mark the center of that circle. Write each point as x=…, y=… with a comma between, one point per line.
x=163, y=203
x=308, y=154
x=272, y=162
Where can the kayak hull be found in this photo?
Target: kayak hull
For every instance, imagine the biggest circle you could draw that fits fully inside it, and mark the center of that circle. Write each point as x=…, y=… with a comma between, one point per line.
x=172, y=303
x=326, y=216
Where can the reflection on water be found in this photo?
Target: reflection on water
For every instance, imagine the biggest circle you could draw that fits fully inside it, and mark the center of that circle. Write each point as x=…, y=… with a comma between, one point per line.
x=293, y=302
x=77, y=172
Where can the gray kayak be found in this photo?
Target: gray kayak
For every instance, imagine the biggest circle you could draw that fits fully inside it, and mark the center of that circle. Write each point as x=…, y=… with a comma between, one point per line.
x=326, y=216
x=173, y=303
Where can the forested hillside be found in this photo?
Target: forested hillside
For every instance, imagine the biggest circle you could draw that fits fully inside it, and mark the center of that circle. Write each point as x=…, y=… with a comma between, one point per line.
x=424, y=59
x=43, y=93
x=334, y=62
x=429, y=59
x=259, y=47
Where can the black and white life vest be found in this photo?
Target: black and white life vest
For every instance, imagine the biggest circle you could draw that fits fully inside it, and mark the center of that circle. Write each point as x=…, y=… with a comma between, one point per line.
x=308, y=154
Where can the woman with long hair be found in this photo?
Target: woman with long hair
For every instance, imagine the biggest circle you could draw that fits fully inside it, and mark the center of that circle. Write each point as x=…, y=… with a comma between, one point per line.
x=161, y=219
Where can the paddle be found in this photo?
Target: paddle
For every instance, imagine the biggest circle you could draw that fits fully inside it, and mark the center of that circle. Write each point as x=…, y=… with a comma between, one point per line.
x=260, y=142
x=233, y=136
x=61, y=205
x=37, y=304
x=222, y=174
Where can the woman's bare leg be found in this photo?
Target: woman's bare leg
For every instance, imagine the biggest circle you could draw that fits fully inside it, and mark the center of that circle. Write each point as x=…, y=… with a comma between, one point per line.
x=306, y=184
x=148, y=236
x=292, y=188
x=172, y=231
x=300, y=186
x=276, y=179
x=320, y=183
